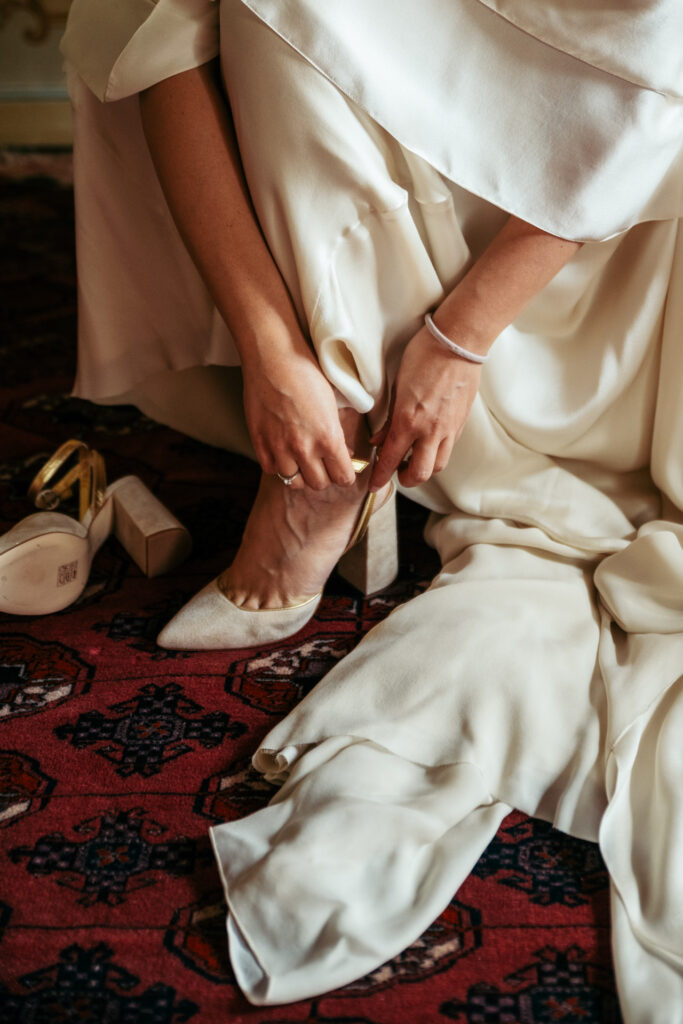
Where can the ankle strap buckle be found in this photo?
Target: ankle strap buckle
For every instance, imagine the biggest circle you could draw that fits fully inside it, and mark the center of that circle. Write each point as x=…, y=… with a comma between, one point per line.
x=88, y=473
x=47, y=499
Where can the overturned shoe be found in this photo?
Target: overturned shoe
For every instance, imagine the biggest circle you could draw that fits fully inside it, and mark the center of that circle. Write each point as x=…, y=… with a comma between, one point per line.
x=45, y=559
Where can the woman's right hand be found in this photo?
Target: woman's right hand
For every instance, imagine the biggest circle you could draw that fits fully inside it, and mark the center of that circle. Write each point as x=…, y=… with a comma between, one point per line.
x=293, y=422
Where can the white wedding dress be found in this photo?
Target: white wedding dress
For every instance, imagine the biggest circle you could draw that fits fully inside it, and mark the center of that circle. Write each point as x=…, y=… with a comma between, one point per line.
x=383, y=145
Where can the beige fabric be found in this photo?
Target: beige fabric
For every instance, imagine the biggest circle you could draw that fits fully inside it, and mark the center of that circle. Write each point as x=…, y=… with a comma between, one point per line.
x=588, y=148
x=585, y=101
x=543, y=668
x=620, y=39
x=143, y=309
x=507, y=666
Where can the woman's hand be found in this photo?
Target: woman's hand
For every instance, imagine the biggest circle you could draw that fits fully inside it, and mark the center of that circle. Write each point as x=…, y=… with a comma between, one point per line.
x=290, y=407
x=433, y=396
x=435, y=389
x=293, y=421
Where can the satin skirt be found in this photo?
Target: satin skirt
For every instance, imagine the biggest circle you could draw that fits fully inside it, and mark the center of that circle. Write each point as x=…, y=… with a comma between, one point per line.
x=543, y=669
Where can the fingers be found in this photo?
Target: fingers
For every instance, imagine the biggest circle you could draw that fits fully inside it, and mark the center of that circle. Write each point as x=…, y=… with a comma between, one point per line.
x=391, y=455
x=314, y=473
x=420, y=466
x=309, y=470
x=340, y=469
x=378, y=439
x=297, y=429
x=415, y=459
x=284, y=468
x=443, y=454
x=328, y=466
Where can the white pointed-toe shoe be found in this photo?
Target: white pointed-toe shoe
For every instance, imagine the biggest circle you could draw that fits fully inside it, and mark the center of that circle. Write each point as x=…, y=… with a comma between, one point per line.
x=211, y=621
x=45, y=559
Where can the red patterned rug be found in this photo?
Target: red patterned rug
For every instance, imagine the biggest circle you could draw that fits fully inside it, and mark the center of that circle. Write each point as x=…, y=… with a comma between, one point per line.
x=116, y=757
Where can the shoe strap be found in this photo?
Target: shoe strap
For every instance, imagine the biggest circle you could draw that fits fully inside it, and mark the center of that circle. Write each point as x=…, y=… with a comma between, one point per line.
x=368, y=505
x=363, y=521
x=88, y=472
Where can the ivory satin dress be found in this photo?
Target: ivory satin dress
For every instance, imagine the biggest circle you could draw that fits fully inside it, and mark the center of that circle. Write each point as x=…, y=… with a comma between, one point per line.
x=384, y=145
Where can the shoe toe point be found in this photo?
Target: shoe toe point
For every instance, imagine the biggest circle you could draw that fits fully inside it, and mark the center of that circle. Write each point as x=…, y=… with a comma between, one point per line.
x=210, y=621
x=169, y=639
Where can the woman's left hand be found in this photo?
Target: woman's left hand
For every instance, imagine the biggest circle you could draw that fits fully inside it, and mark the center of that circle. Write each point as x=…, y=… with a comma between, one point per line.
x=433, y=396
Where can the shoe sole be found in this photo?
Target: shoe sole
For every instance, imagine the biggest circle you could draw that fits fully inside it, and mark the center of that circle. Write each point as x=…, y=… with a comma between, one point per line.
x=44, y=574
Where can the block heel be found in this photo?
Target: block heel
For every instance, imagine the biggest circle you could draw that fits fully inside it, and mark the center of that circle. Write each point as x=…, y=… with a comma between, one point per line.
x=371, y=562
x=153, y=537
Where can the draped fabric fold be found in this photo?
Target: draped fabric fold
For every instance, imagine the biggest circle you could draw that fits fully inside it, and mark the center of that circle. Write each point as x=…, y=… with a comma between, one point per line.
x=591, y=146
x=586, y=107
x=120, y=47
x=401, y=818
x=618, y=38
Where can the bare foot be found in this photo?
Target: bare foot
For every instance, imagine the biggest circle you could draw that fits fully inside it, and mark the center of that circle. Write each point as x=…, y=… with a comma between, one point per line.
x=293, y=539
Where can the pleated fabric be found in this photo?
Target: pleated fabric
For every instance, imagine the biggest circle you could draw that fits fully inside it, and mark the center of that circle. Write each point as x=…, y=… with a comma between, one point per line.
x=543, y=669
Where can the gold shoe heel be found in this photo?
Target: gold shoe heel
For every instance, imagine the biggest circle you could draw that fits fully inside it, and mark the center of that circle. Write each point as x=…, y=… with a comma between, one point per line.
x=370, y=563
x=152, y=536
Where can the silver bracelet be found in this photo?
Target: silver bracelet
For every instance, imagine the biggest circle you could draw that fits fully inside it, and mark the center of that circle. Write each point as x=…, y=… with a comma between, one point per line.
x=457, y=350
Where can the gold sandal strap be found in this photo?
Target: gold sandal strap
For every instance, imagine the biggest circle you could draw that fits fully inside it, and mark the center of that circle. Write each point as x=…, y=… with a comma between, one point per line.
x=368, y=505
x=98, y=482
x=88, y=472
x=45, y=497
x=363, y=520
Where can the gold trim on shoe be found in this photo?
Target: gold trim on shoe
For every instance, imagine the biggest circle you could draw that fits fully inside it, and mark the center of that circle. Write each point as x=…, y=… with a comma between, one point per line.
x=282, y=608
x=364, y=519
x=89, y=473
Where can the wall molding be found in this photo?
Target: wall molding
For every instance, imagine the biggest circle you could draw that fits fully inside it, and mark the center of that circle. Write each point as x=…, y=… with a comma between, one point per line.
x=44, y=15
